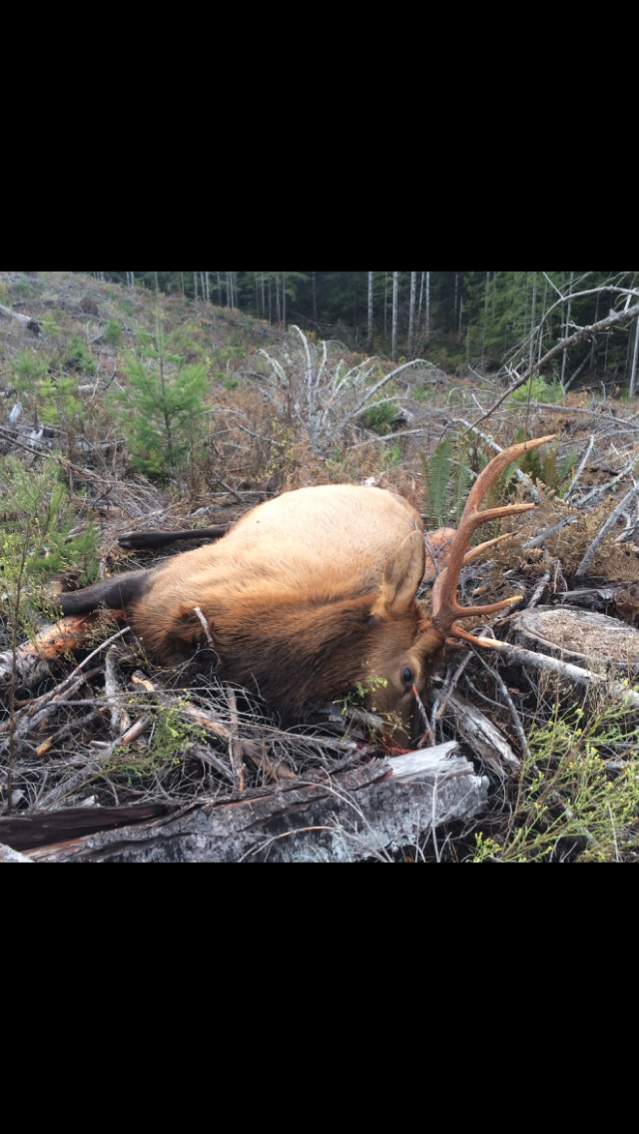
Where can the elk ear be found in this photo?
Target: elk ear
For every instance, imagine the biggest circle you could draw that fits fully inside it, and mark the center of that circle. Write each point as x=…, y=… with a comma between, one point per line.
x=403, y=574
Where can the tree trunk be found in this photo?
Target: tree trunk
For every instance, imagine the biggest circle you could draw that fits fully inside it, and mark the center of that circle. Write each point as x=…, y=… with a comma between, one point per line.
x=633, y=371
x=395, y=304
x=421, y=297
x=566, y=325
x=532, y=320
x=411, y=313
x=369, y=333
x=427, y=306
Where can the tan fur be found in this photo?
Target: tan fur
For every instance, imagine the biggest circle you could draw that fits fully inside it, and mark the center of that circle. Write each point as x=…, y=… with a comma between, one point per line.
x=307, y=595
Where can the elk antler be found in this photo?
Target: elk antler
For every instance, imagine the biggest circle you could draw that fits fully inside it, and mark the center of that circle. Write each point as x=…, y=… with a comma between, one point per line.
x=446, y=607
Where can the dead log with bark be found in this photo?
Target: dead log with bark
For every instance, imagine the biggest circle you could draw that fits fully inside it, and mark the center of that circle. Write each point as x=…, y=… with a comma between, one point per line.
x=25, y=321
x=365, y=812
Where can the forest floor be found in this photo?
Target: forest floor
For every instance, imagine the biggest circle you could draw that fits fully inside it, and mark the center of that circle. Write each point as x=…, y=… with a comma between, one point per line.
x=84, y=461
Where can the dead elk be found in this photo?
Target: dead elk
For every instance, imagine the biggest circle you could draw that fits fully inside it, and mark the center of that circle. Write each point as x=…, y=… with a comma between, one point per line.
x=312, y=594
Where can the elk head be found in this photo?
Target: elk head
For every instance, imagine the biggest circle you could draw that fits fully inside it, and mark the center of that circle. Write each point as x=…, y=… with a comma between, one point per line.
x=408, y=638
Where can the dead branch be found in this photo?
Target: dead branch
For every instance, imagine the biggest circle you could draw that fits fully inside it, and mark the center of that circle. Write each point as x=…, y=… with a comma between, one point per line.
x=563, y=344
x=481, y=734
x=573, y=673
x=120, y=720
x=603, y=532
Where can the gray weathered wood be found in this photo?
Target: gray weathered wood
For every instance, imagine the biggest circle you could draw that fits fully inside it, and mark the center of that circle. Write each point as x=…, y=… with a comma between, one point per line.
x=358, y=814
x=480, y=733
x=25, y=321
x=583, y=636
x=8, y=854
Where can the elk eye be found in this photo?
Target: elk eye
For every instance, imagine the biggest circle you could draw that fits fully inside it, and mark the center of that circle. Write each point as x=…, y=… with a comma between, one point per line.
x=408, y=677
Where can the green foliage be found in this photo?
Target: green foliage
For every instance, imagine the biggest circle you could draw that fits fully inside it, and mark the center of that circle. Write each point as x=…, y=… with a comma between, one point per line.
x=423, y=393
x=51, y=326
x=170, y=738
x=112, y=334
x=77, y=356
x=53, y=395
x=60, y=403
x=29, y=368
x=569, y=805
x=448, y=479
x=393, y=455
x=538, y=390
x=23, y=289
x=161, y=410
x=380, y=418
x=182, y=344
x=437, y=471
x=39, y=528
x=544, y=465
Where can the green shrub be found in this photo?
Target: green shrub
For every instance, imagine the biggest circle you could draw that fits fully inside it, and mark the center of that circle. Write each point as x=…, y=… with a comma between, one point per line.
x=381, y=418
x=112, y=334
x=78, y=357
x=160, y=412
x=568, y=804
x=538, y=390
x=37, y=533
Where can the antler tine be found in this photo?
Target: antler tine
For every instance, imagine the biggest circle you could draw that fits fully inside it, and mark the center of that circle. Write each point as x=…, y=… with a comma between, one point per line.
x=446, y=608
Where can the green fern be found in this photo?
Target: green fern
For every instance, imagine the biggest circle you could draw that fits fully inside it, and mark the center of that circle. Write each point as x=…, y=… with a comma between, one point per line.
x=462, y=478
x=438, y=472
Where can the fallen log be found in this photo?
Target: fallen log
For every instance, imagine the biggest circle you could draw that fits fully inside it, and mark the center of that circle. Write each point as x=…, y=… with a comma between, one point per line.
x=358, y=814
x=25, y=321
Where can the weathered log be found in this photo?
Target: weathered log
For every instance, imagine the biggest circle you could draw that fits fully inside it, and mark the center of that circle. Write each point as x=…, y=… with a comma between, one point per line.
x=8, y=854
x=358, y=814
x=480, y=733
x=25, y=321
x=581, y=636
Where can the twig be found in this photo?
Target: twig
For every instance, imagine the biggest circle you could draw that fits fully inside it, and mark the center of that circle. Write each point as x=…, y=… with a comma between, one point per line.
x=603, y=532
x=235, y=745
x=205, y=625
x=120, y=720
x=565, y=669
x=582, y=464
x=538, y=591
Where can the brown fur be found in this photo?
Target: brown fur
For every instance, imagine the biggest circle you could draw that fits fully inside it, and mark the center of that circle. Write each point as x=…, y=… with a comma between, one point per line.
x=306, y=596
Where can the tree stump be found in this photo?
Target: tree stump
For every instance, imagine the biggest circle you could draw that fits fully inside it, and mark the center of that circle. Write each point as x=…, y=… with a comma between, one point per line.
x=580, y=636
